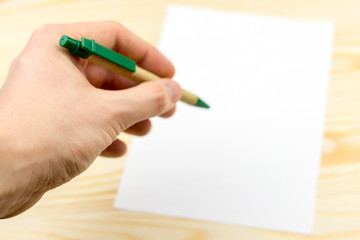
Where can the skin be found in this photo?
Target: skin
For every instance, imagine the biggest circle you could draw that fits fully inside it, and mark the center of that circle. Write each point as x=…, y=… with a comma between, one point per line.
x=58, y=112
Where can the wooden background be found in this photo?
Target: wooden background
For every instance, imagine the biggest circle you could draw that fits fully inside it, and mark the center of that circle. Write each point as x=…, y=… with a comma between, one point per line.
x=83, y=208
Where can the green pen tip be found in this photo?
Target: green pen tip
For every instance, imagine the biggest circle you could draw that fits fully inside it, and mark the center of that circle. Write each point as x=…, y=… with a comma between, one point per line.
x=201, y=103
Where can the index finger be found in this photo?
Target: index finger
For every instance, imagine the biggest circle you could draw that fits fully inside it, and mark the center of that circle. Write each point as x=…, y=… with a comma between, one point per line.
x=115, y=36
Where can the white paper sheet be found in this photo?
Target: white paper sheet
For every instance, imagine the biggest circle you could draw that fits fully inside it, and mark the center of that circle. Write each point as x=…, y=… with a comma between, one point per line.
x=253, y=158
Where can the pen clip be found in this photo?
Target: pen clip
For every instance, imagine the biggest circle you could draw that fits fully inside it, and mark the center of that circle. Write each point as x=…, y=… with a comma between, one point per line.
x=108, y=54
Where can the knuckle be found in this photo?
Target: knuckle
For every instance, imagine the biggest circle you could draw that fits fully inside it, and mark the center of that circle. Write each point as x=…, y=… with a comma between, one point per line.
x=117, y=119
x=159, y=96
x=42, y=30
x=19, y=65
x=122, y=124
x=112, y=26
x=15, y=63
x=118, y=123
x=114, y=23
x=40, y=35
x=112, y=112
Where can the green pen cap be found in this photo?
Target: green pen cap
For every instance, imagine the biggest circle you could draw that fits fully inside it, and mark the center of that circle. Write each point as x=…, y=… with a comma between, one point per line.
x=69, y=43
x=74, y=46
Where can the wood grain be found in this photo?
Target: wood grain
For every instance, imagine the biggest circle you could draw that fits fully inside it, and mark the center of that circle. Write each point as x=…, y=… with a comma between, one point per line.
x=83, y=208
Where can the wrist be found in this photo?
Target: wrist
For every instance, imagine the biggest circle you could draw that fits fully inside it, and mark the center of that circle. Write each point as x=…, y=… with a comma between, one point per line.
x=18, y=188
x=16, y=191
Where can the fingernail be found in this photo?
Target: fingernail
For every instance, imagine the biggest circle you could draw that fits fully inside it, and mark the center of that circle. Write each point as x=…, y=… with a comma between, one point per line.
x=174, y=90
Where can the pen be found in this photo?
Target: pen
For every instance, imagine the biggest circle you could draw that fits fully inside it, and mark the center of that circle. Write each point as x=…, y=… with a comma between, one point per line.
x=117, y=63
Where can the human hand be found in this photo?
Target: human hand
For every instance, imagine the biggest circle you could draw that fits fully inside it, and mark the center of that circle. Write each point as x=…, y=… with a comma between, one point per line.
x=59, y=112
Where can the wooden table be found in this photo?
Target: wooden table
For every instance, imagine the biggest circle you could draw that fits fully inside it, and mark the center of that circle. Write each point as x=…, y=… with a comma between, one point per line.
x=83, y=208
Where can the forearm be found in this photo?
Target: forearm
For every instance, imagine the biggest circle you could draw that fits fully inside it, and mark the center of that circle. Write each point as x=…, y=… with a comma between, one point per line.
x=5, y=173
x=16, y=194
x=9, y=186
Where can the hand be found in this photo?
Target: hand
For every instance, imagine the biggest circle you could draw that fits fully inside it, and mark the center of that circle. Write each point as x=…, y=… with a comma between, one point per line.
x=59, y=112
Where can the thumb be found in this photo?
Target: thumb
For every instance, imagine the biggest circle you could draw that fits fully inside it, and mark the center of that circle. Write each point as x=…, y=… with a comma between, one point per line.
x=145, y=100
